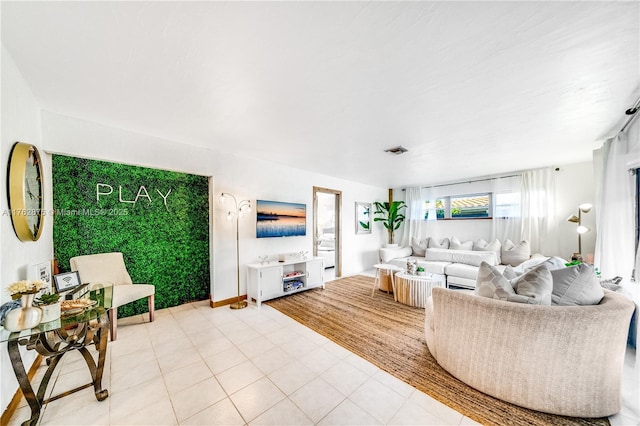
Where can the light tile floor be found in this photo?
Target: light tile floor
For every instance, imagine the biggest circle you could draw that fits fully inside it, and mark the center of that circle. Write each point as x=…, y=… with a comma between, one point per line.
x=200, y=366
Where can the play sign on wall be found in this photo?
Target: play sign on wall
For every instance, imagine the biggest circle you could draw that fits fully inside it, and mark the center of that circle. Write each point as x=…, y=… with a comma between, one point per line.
x=158, y=219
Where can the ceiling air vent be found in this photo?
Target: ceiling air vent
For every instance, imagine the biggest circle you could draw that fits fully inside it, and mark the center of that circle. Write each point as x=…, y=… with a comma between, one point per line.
x=397, y=150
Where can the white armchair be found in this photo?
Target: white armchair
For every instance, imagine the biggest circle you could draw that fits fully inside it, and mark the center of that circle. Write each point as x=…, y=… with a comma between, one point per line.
x=109, y=269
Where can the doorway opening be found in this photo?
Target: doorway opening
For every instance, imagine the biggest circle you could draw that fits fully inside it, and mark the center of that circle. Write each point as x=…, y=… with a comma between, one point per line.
x=327, y=229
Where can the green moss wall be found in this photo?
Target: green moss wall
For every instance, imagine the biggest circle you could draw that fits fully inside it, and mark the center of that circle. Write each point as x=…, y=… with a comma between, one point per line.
x=158, y=219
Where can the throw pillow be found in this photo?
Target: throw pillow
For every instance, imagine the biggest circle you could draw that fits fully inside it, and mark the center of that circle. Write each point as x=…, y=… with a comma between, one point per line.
x=576, y=285
x=510, y=273
x=492, y=284
x=495, y=246
x=515, y=254
x=419, y=246
x=536, y=284
x=457, y=245
x=551, y=262
x=555, y=262
x=444, y=244
x=533, y=287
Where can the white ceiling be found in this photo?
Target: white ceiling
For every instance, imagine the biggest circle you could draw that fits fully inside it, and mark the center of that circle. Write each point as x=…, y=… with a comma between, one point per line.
x=470, y=88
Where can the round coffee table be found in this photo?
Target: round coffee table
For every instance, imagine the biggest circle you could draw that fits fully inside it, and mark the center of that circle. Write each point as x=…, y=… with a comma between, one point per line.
x=413, y=290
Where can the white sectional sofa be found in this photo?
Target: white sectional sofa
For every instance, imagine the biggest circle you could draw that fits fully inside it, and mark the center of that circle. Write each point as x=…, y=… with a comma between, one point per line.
x=460, y=267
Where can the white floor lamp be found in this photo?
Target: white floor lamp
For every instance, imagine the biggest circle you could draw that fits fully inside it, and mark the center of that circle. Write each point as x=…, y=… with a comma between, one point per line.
x=241, y=208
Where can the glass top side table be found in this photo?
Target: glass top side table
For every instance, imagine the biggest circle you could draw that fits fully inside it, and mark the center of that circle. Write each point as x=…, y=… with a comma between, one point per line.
x=54, y=339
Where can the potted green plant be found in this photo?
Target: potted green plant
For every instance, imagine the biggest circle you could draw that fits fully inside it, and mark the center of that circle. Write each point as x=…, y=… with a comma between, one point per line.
x=420, y=270
x=391, y=216
x=50, y=305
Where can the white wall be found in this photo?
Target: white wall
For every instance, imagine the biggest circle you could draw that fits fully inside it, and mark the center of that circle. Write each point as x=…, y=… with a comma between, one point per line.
x=244, y=177
x=574, y=186
x=20, y=122
x=23, y=120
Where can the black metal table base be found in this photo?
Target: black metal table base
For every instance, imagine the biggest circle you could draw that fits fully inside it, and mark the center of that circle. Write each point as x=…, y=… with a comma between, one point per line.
x=54, y=345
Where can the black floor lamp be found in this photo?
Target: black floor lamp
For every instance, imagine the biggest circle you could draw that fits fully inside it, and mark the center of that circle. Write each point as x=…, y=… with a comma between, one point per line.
x=241, y=207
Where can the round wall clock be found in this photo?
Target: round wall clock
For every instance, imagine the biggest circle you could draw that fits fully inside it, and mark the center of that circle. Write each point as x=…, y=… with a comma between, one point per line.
x=26, y=194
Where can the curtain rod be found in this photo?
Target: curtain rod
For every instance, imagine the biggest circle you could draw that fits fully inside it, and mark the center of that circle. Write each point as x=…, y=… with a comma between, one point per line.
x=632, y=113
x=469, y=181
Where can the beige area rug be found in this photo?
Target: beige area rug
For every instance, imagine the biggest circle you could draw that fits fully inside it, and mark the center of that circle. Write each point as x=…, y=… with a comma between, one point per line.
x=391, y=336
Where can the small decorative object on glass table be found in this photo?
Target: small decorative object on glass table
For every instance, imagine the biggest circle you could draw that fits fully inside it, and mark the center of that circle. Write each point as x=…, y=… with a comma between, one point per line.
x=56, y=338
x=50, y=305
x=27, y=316
x=21, y=288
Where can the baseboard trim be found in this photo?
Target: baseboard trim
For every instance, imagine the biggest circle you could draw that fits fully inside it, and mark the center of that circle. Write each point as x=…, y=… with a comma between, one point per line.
x=224, y=302
x=15, y=401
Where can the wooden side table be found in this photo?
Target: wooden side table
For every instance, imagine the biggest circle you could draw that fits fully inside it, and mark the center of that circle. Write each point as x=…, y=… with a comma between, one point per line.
x=414, y=290
x=388, y=269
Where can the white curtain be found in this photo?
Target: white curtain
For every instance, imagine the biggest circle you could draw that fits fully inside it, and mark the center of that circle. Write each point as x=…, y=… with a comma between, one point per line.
x=539, y=222
x=413, y=224
x=507, y=223
x=615, y=243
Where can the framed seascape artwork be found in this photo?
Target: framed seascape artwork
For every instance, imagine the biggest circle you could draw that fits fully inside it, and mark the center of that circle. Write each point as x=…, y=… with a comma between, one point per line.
x=278, y=219
x=363, y=218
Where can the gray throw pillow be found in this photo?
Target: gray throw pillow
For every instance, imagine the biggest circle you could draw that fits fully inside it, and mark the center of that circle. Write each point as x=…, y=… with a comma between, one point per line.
x=510, y=273
x=533, y=287
x=576, y=285
x=419, y=246
x=551, y=262
x=536, y=284
x=444, y=244
x=457, y=245
x=515, y=254
x=495, y=246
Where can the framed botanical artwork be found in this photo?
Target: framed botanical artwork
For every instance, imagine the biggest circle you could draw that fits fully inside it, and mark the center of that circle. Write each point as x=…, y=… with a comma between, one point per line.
x=66, y=281
x=363, y=218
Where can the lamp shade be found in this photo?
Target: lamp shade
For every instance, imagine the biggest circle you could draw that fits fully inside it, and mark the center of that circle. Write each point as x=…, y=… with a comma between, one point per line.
x=585, y=207
x=582, y=229
x=573, y=218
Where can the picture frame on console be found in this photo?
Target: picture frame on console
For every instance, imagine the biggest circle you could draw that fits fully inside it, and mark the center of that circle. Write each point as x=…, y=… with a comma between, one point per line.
x=42, y=272
x=363, y=218
x=66, y=281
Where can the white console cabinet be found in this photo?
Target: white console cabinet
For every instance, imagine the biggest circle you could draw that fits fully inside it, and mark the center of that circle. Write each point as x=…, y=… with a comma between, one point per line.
x=274, y=279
